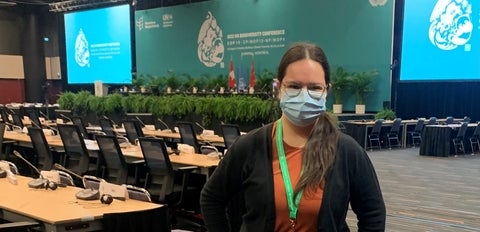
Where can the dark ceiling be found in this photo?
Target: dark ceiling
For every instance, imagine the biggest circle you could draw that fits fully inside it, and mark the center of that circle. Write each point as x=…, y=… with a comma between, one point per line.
x=139, y=4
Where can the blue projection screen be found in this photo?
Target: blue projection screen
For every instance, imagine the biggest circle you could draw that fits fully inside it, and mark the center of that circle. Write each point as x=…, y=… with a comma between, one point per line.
x=98, y=46
x=440, y=41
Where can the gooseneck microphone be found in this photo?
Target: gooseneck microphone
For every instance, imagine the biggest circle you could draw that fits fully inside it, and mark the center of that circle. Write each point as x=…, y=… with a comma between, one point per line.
x=84, y=194
x=140, y=120
x=163, y=123
x=113, y=122
x=35, y=183
x=44, y=115
x=198, y=124
x=65, y=117
x=13, y=126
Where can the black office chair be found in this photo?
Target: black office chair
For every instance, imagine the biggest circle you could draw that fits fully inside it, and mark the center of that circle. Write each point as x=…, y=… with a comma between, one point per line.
x=230, y=133
x=107, y=126
x=188, y=136
x=394, y=132
x=466, y=119
x=79, y=122
x=17, y=120
x=375, y=134
x=32, y=114
x=116, y=166
x=44, y=155
x=77, y=157
x=133, y=130
x=449, y=120
x=416, y=134
x=5, y=114
x=5, y=145
x=159, y=180
x=458, y=140
x=432, y=121
x=475, y=138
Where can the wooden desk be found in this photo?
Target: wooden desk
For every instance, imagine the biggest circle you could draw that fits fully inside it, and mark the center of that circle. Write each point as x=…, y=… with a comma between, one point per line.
x=59, y=210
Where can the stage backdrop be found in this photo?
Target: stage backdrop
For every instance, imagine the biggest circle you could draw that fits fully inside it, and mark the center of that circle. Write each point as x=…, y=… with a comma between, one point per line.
x=202, y=38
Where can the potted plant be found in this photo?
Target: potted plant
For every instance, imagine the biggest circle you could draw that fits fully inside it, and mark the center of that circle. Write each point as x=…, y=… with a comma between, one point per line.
x=340, y=83
x=386, y=114
x=360, y=84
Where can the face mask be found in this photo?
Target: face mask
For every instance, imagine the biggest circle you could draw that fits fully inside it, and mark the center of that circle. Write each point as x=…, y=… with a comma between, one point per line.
x=302, y=110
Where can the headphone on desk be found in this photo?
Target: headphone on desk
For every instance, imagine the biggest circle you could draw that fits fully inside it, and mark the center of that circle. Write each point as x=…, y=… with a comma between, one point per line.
x=106, y=199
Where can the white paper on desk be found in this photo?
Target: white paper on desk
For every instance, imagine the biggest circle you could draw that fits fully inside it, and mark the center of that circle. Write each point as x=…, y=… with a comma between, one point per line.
x=91, y=145
x=207, y=133
x=51, y=176
x=4, y=165
x=114, y=190
x=185, y=148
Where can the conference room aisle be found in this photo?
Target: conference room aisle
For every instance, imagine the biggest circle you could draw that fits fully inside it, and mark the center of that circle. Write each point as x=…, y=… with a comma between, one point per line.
x=424, y=193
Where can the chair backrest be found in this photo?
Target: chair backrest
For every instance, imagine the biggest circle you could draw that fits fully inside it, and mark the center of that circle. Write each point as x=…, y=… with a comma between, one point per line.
x=419, y=126
x=77, y=154
x=476, y=132
x=79, y=122
x=159, y=168
x=17, y=120
x=396, y=126
x=65, y=178
x=187, y=135
x=230, y=133
x=110, y=151
x=432, y=121
x=32, y=114
x=137, y=193
x=107, y=126
x=3, y=127
x=92, y=182
x=449, y=120
x=4, y=113
x=40, y=145
x=13, y=167
x=377, y=127
x=462, y=130
x=133, y=130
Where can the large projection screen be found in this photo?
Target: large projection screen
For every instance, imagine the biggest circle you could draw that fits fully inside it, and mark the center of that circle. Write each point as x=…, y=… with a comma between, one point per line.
x=98, y=46
x=440, y=41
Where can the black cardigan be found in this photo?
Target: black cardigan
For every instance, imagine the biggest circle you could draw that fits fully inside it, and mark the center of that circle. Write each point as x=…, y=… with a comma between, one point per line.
x=239, y=196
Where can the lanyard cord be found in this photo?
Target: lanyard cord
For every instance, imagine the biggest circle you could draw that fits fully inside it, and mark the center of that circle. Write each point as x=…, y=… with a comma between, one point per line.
x=292, y=206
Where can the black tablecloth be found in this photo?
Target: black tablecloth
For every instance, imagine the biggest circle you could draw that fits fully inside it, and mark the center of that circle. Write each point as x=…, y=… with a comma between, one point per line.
x=437, y=141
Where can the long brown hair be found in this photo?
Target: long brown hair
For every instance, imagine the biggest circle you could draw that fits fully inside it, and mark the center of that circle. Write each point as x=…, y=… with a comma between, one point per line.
x=320, y=150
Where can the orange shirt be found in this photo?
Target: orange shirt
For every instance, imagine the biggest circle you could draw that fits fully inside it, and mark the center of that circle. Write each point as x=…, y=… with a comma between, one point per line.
x=308, y=209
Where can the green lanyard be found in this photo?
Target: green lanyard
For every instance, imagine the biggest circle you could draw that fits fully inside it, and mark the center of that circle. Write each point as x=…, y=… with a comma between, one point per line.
x=293, y=207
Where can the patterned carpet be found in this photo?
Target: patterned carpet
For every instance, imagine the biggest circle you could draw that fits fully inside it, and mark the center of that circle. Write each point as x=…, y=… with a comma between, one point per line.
x=428, y=193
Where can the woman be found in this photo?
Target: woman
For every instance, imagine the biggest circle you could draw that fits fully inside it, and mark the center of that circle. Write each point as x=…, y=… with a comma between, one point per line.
x=298, y=173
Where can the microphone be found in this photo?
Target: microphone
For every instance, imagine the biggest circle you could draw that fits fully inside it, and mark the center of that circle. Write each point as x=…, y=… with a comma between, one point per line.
x=35, y=183
x=141, y=122
x=35, y=124
x=13, y=126
x=44, y=115
x=113, y=122
x=163, y=123
x=65, y=117
x=198, y=124
x=84, y=194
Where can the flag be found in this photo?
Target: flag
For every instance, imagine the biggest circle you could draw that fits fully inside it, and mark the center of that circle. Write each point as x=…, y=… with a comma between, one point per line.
x=252, y=75
x=232, y=83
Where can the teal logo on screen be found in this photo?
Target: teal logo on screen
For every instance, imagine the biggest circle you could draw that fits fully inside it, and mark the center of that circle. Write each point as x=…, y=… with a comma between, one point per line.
x=210, y=45
x=82, y=54
x=450, y=24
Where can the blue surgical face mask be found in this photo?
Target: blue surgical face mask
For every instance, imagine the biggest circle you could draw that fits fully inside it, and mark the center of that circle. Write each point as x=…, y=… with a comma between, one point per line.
x=302, y=110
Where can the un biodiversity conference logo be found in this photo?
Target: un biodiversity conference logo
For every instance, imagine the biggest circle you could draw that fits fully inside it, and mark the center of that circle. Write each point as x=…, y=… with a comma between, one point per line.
x=450, y=24
x=210, y=45
x=82, y=54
